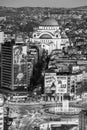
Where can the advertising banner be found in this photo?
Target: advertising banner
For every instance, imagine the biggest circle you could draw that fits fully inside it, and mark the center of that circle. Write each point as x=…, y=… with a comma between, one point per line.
x=55, y=83
x=20, y=75
x=49, y=80
x=61, y=85
x=19, y=54
x=20, y=65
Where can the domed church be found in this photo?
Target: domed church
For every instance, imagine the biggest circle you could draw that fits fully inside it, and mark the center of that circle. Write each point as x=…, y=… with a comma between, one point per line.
x=49, y=35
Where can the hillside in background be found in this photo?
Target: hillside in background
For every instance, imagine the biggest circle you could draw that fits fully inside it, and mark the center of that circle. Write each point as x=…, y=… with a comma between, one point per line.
x=8, y=11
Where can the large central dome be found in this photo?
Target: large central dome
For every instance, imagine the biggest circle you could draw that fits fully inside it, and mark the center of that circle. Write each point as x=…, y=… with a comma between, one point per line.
x=49, y=22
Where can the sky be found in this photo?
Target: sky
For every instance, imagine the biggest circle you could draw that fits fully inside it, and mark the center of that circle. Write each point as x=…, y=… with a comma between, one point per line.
x=43, y=3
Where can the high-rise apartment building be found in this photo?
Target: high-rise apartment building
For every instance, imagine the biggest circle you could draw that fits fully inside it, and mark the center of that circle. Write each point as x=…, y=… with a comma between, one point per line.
x=14, y=66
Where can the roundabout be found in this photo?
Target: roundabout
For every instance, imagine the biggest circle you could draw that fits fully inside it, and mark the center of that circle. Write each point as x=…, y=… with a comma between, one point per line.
x=42, y=114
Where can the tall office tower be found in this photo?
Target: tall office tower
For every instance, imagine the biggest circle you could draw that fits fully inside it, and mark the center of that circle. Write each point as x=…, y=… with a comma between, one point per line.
x=83, y=120
x=14, y=66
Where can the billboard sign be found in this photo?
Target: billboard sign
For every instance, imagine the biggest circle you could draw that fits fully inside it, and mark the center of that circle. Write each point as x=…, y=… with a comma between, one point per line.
x=56, y=83
x=61, y=85
x=20, y=65
x=20, y=75
x=49, y=80
x=19, y=54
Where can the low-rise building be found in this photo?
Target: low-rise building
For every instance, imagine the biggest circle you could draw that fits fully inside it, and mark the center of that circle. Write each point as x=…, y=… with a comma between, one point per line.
x=58, y=83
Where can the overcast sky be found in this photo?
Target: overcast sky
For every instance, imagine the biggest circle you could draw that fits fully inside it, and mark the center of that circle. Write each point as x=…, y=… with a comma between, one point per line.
x=43, y=3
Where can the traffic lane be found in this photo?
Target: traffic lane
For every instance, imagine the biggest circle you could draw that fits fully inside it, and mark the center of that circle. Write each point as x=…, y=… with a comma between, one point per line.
x=24, y=123
x=25, y=110
x=27, y=122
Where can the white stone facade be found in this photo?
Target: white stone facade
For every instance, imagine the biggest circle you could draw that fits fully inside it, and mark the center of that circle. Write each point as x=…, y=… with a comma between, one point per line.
x=49, y=35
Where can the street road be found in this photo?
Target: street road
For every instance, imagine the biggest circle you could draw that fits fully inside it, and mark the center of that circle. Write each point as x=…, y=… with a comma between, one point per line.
x=31, y=113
